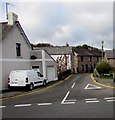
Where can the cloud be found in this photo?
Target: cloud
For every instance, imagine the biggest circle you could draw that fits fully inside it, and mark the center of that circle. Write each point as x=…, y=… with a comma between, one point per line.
x=67, y=22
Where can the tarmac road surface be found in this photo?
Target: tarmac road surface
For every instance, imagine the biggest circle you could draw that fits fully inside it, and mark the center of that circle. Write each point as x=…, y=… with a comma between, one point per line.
x=76, y=97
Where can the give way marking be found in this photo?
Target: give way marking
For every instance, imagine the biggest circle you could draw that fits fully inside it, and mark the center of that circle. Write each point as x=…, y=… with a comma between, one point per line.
x=91, y=86
x=65, y=101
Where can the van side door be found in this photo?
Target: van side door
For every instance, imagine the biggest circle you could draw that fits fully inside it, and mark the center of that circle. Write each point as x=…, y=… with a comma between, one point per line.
x=40, y=77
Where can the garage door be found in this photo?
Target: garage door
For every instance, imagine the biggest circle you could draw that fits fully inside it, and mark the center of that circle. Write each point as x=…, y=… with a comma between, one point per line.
x=51, y=73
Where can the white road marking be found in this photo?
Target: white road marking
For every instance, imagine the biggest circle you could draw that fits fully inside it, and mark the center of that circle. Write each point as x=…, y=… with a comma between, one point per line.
x=44, y=104
x=109, y=98
x=23, y=105
x=73, y=85
x=2, y=106
x=65, y=97
x=70, y=100
x=68, y=103
x=92, y=101
x=64, y=101
x=90, y=86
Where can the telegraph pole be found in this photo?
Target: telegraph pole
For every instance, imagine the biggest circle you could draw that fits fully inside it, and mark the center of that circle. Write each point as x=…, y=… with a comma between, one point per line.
x=102, y=51
x=7, y=4
x=7, y=10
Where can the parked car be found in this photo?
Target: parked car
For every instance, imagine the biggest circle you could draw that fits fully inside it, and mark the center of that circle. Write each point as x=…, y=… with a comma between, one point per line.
x=25, y=78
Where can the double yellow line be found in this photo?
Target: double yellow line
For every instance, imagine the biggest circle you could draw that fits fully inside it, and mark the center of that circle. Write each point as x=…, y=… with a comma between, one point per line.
x=93, y=78
x=34, y=91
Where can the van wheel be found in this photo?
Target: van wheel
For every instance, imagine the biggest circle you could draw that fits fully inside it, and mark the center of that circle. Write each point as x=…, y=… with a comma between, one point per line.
x=44, y=82
x=31, y=86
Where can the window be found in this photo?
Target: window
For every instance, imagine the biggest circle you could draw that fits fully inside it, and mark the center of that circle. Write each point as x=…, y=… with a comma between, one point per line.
x=97, y=59
x=90, y=58
x=82, y=58
x=39, y=74
x=18, y=49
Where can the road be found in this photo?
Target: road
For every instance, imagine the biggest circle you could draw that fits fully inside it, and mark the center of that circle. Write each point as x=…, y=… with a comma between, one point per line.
x=75, y=97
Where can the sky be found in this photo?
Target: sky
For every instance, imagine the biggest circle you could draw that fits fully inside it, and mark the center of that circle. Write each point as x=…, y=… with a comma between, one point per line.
x=63, y=21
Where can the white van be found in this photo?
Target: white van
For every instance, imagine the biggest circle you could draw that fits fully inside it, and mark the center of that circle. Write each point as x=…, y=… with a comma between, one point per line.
x=25, y=78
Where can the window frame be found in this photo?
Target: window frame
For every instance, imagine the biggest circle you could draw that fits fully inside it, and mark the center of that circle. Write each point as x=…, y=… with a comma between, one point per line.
x=18, y=49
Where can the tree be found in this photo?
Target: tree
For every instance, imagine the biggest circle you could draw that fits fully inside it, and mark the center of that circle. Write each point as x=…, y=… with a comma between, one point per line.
x=42, y=45
x=103, y=67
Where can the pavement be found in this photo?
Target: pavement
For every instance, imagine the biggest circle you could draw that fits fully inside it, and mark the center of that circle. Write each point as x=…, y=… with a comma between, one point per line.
x=99, y=81
x=109, y=83
x=10, y=93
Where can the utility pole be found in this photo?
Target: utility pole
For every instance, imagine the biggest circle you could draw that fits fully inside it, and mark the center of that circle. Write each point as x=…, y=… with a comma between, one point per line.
x=7, y=10
x=102, y=51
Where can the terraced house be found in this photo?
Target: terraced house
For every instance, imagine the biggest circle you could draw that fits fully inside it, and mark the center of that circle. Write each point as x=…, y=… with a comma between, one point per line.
x=110, y=57
x=74, y=58
x=85, y=60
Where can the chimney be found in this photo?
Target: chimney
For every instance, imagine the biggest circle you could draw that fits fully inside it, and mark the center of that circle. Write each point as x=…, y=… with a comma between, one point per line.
x=12, y=18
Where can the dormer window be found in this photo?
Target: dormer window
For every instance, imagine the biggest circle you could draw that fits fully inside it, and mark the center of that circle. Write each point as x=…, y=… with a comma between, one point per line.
x=18, y=49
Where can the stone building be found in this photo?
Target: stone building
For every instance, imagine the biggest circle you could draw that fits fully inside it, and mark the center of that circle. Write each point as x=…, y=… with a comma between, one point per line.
x=84, y=60
x=110, y=57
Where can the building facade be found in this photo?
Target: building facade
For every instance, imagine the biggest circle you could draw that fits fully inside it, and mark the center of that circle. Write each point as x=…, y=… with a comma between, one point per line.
x=85, y=60
x=15, y=48
x=62, y=55
x=45, y=63
x=16, y=51
x=110, y=57
x=77, y=59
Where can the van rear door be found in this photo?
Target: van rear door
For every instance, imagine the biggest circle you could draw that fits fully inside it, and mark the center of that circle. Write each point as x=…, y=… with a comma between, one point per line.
x=17, y=78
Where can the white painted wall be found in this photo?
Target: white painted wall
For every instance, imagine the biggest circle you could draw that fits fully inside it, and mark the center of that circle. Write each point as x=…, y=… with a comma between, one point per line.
x=68, y=60
x=9, y=45
x=45, y=62
x=10, y=60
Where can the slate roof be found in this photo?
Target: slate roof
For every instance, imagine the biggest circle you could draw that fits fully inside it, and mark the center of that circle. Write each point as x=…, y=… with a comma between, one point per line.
x=56, y=50
x=86, y=52
x=59, y=50
x=38, y=54
x=110, y=54
x=7, y=28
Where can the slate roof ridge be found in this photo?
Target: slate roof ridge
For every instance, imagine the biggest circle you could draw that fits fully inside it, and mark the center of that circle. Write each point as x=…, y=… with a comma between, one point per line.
x=57, y=50
x=86, y=52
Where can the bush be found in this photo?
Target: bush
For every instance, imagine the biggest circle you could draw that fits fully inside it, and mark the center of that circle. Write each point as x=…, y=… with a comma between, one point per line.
x=64, y=74
x=103, y=67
